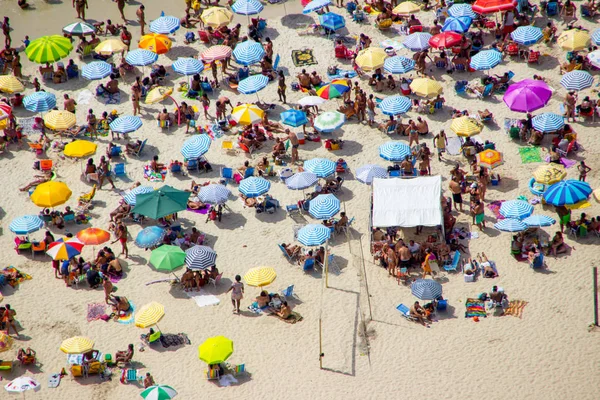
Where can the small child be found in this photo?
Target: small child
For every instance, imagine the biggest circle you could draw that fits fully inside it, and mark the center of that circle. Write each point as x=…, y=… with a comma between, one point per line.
x=26, y=41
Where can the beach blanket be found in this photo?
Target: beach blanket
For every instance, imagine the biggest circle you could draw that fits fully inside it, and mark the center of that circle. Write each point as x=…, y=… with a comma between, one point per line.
x=203, y=210
x=454, y=145
x=170, y=340
x=227, y=380
x=564, y=161
x=494, y=207
x=530, y=155
x=475, y=308
x=21, y=276
x=341, y=73
x=154, y=176
x=292, y=319
x=95, y=311
x=28, y=125
x=127, y=318
x=115, y=279
x=515, y=308
x=303, y=58
x=203, y=300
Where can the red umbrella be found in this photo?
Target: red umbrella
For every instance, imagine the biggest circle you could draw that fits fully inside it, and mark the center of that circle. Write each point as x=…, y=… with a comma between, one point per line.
x=445, y=40
x=305, y=2
x=492, y=6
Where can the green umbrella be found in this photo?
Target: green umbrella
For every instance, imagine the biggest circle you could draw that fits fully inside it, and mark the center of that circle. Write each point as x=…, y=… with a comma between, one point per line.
x=162, y=202
x=159, y=392
x=167, y=257
x=48, y=49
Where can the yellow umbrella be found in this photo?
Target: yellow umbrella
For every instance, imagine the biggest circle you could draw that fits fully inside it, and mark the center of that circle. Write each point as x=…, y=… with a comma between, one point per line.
x=6, y=341
x=406, y=8
x=216, y=16
x=59, y=120
x=149, y=315
x=466, y=126
x=10, y=84
x=371, y=58
x=247, y=114
x=574, y=40
x=110, y=46
x=158, y=94
x=77, y=345
x=155, y=42
x=80, y=148
x=51, y=194
x=260, y=276
x=549, y=174
x=490, y=158
x=426, y=87
x=215, y=350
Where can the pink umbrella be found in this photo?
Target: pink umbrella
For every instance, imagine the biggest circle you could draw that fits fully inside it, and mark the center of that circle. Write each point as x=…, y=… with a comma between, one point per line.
x=527, y=95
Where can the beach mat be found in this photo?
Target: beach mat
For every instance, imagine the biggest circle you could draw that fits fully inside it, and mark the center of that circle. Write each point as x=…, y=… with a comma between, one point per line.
x=170, y=340
x=530, y=155
x=515, y=308
x=203, y=300
x=21, y=276
x=475, y=308
x=203, y=210
x=127, y=318
x=454, y=145
x=54, y=380
x=303, y=58
x=564, y=161
x=95, y=311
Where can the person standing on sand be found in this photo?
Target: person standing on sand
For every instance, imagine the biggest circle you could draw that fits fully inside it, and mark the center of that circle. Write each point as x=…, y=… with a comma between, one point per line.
x=564, y=217
x=136, y=93
x=440, y=141
x=6, y=31
x=121, y=234
x=69, y=104
x=371, y=110
x=237, y=293
x=108, y=287
x=295, y=144
x=141, y=18
x=281, y=87
x=121, y=6
x=456, y=190
x=80, y=6
x=8, y=318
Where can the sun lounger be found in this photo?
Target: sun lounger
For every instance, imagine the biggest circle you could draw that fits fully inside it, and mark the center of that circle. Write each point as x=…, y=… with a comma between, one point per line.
x=453, y=266
x=285, y=253
x=289, y=292
x=405, y=312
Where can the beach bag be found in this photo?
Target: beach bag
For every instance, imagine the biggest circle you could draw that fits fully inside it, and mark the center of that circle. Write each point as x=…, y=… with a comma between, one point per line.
x=190, y=37
x=295, y=86
x=328, y=144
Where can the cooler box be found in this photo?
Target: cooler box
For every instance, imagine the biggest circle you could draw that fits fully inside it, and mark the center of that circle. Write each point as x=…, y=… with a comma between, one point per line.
x=301, y=139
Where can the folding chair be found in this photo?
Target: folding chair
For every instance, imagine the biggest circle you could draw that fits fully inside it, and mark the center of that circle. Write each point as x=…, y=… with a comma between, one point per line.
x=453, y=266
x=289, y=292
x=216, y=280
x=405, y=312
x=249, y=172
x=139, y=152
x=227, y=146
x=119, y=169
x=285, y=253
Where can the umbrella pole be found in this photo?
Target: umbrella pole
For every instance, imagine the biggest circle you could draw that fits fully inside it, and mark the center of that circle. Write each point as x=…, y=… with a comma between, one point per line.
x=326, y=266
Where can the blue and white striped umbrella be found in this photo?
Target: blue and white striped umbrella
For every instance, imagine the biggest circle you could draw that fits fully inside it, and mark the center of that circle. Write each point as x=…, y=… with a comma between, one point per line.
x=527, y=35
x=548, y=122
x=126, y=124
x=196, y=146
x=313, y=234
x=417, y=41
x=214, y=194
x=141, y=57
x=394, y=105
x=187, y=66
x=594, y=58
x=247, y=7
x=457, y=24
x=253, y=84
x=486, y=60
x=165, y=24
x=293, y=118
x=539, y=220
x=324, y=206
x=510, y=225
x=596, y=36
x=321, y=167
x=301, y=180
x=367, y=173
x=329, y=121
x=426, y=289
x=315, y=5
x=131, y=196
x=332, y=21
x=96, y=70
x=26, y=224
x=394, y=151
x=150, y=237
x=248, y=52
x=200, y=257
x=39, y=102
x=462, y=10
x=398, y=65
x=254, y=186
x=577, y=80
x=567, y=192
x=517, y=209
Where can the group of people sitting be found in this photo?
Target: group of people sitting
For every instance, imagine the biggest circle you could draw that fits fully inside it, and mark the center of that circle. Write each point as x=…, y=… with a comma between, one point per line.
x=193, y=280
x=272, y=303
x=106, y=264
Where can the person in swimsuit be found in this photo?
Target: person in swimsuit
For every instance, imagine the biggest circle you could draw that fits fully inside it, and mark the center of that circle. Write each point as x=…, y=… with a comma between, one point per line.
x=80, y=6
x=281, y=87
x=583, y=170
x=141, y=18
x=295, y=144
x=237, y=293
x=121, y=234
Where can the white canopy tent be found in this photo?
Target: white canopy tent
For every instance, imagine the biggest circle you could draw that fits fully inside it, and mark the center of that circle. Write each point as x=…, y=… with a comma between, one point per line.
x=407, y=202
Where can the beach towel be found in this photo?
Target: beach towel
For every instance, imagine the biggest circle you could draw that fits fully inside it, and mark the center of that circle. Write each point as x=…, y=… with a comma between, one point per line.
x=515, y=308
x=54, y=380
x=115, y=279
x=303, y=58
x=28, y=125
x=95, y=311
x=475, y=308
x=292, y=319
x=494, y=207
x=341, y=73
x=227, y=380
x=203, y=210
x=170, y=340
x=454, y=145
x=564, y=161
x=203, y=300
x=154, y=176
x=127, y=318
x=530, y=155
x=21, y=276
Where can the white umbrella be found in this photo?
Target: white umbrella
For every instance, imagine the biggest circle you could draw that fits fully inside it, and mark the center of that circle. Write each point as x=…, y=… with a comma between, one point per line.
x=311, y=101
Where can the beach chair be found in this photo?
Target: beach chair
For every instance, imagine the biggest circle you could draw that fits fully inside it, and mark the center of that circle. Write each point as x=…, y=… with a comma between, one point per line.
x=46, y=165
x=289, y=292
x=139, y=152
x=249, y=172
x=331, y=265
x=22, y=245
x=453, y=265
x=570, y=148
x=228, y=174
x=87, y=198
x=212, y=374
x=192, y=165
x=38, y=248
x=115, y=151
x=346, y=228
x=460, y=87
x=119, y=170
x=289, y=258
x=552, y=8
x=216, y=280
x=69, y=218
x=245, y=149
x=227, y=146
x=405, y=312
x=87, y=51
x=6, y=365
x=309, y=264
x=131, y=375
x=166, y=124
x=487, y=91
x=292, y=209
x=402, y=275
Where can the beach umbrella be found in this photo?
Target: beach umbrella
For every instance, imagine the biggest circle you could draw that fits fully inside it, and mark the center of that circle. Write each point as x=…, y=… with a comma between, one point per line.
x=65, y=249
x=79, y=29
x=367, y=173
x=51, y=194
x=39, y=102
x=159, y=392
x=577, y=80
x=596, y=36
x=392, y=43
x=167, y=257
x=517, y=209
x=527, y=95
x=161, y=202
x=150, y=237
x=149, y=314
x=293, y=118
x=26, y=224
x=334, y=89
x=510, y=225
x=311, y=101
x=215, y=350
x=165, y=24
x=446, y=40
x=486, y=60
x=548, y=122
x=200, y=257
x=394, y=105
x=260, y=276
x=457, y=24
x=141, y=57
x=247, y=7
x=417, y=41
x=48, y=49
x=93, y=236
x=398, y=65
x=126, y=124
x=187, y=66
x=216, y=16
x=324, y=206
x=80, y=149
x=315, y=5
x=10, y=84
x=248, y=52
x=406, y=8
x=332, y=21
x=549, y=174
x=567, y=192
x=426, y=289
x=110, y=46
x=574, y=40
x=5, y=112
x=196, y=146
x=218, y=52
x=158, y=94
x=490, y=158
x=59, y=120
x=539, y=220
x=314, y=234
x=329, y=121
x=77, y=345
x=492, y=6
x=426, y=87
x=247, y=114
x=301, y=180
x=156, y=43
x=131, y=196
x=96, y=70
x=253, y=84
x=214, y=194
x=22, y=384
x=254, y=186
x=466, y=126
x=594, y=58
x=6, y=342
x=462, y=10
x=321, y=167
x=394, y=151
x=527, y=35
x=371, y=58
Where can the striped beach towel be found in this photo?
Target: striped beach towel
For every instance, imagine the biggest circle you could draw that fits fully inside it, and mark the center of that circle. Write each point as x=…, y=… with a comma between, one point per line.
x=515, y=308
x=475, y=308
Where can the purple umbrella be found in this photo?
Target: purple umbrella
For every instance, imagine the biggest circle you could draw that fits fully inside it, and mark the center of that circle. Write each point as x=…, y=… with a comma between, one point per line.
x=527, y=95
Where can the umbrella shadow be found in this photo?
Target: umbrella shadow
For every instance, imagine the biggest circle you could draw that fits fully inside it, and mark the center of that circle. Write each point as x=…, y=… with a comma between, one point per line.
x=274, y=218
x=296, y=21
x=231, y=221
x=449, y=313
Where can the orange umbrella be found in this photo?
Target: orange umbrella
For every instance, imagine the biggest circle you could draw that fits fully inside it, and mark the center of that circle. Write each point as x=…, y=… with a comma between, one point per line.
x=93, y=236
x=490, y=158
x=157, y=43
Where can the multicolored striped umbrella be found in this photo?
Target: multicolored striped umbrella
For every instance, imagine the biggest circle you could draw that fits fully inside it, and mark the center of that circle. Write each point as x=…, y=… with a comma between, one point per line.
x=426, y=289
x=490, y=158
x=141, y=58
x=334, y=89
x=254, y=186
x=26, y=224
x=156, y=43
x=510, y=225
x=196, y=146
x=321, y=167
x=247, y=114
x=126, y=124
x=367, y=173
x=314, y=234
x=79, y=29
x=394, y=151
x=39, y=102
x=329, y=121
x=159, y=392
x=517, y=209
x=253, y=84
x=301, y=180
x=165, y=24
x=150, y=237
x=457, y=24
x=398, y=65
x=395, y=105
x=332, y=21
x=548, y=122
x=65, y=249
x=247, y=7
x=130, y=197
x=48, y=49
x=527, y=35
x=248, y=52
x=293, y=118
x=96, y=70
x=187, y=66
x=577, y=80
x=486, y=60
x=200, y=257
x=214, y=194
x=462, y=10
x=218, y=52
x=324, y=206
x=417, y=41
x=567, y=192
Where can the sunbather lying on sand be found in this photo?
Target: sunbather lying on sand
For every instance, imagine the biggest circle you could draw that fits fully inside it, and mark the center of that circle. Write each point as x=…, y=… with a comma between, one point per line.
x=194, y=203
x=44, y=177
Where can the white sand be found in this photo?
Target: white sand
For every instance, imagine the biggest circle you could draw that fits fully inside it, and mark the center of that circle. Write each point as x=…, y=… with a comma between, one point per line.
x=547, y=354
